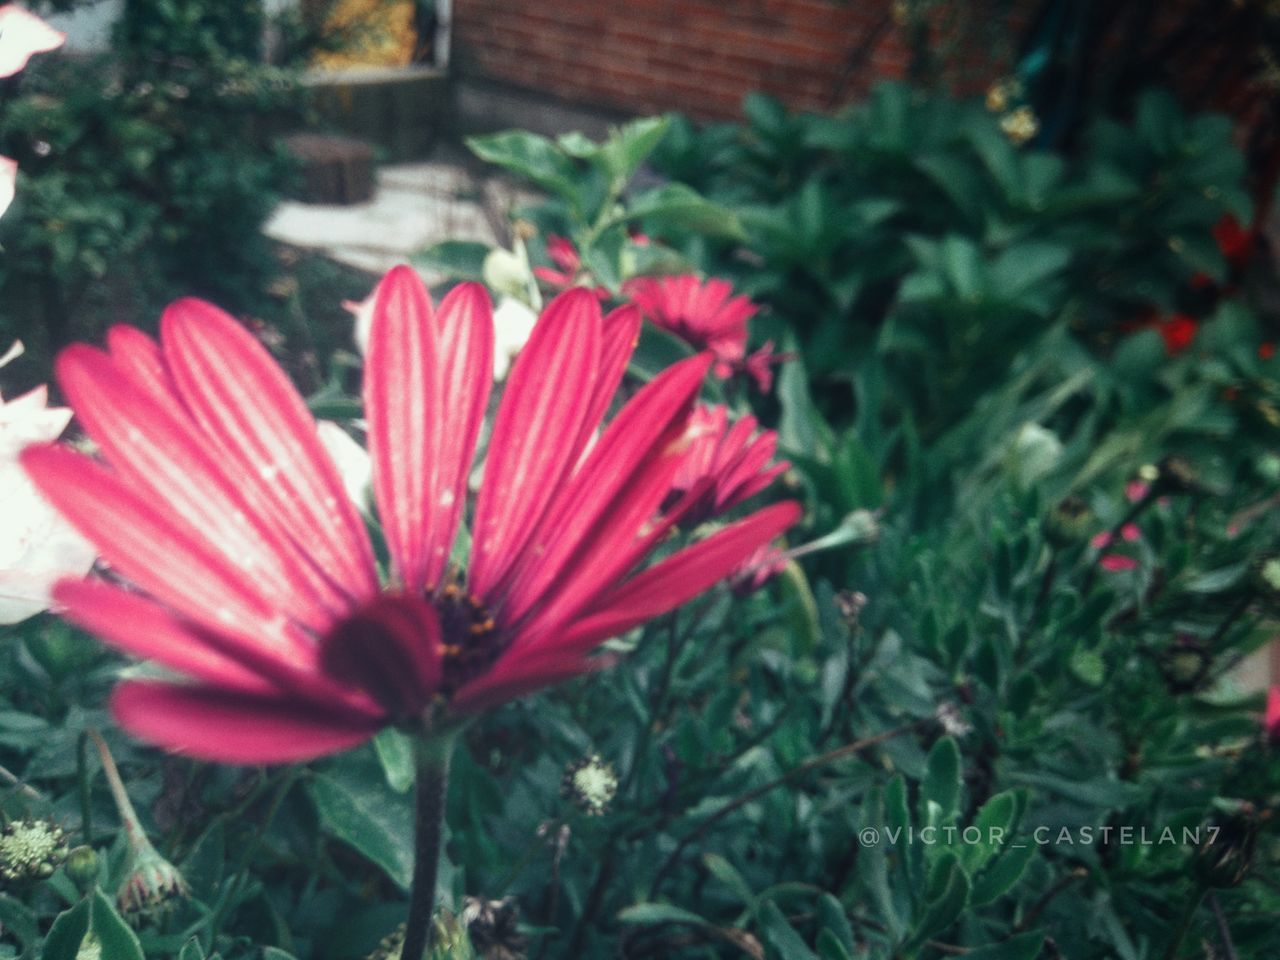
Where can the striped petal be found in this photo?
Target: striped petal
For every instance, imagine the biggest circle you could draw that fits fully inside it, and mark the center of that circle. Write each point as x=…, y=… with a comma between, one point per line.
x=212, y=724
x=138, y=357
x=259, y=425
x=141, y=628
x=465, y=319
x=163, y=557
x=668, y=584
x=159, y=456
x=536, y=435
x=402, y=398
x=599, y=516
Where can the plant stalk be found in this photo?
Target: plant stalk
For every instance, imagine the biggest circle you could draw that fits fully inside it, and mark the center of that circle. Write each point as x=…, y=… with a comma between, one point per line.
x=430, y=790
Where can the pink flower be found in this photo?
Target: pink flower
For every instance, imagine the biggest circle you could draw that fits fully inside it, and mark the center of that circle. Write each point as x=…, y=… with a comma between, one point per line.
x=246, y=568
x=1129, y=533
x=724, y=465
x=565, y=256
x=1272, y=720
x=759, y=568
x=23, y=34
x=1116, y=562
x=1135, y=490
x=759, y=365
x=706, y=315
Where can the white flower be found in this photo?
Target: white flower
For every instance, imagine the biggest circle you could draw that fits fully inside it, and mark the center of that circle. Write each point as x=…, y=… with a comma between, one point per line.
x=37, y=547
x=513, y=321
x=21, y=35
x=8, y=182
x=353, y=463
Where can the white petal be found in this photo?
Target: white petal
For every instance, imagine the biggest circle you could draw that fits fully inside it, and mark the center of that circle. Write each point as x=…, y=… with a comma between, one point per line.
x=351, y=459
x=512, y=323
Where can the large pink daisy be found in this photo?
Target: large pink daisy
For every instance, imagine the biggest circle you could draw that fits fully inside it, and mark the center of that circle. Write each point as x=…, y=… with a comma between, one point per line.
x=706, y=315
x=238, y=562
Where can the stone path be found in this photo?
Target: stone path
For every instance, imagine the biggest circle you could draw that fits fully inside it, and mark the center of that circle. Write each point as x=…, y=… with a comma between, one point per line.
x=415, y=206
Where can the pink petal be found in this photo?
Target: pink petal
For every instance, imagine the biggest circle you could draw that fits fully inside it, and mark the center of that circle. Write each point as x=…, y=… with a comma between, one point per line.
x=535, y=437
x=138, y=357
x=677, y=579
x=621, y=333
x=23, y=34
x=402, y=398
x=465, y=319
x=1272, y=718
x=595, y=522
x=165, y=558
x=143, y=629
x=212, y=724
x=1116, y=563
x=259, y=424
x=158, y=456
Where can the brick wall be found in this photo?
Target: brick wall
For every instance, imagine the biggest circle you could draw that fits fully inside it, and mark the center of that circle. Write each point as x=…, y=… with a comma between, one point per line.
x=699, y=56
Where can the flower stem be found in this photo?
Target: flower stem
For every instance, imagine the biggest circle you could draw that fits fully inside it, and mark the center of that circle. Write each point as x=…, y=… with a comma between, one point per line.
x=432, y=783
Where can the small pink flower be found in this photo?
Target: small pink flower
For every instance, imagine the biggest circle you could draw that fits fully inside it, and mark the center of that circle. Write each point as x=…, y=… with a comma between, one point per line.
x=724, y=465
x=1129, y=533
x=706, y=315
x=240, y=563
x=759, y=366
x=1135, y=490
x=1116, y=563
x=1272, y=720
x=565, y=256
x=759, y=568
x=22, y=35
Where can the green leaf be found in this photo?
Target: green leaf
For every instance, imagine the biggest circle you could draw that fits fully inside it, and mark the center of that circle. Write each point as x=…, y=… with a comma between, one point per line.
x=942, y=777
x=275, y=953
x=833, y=920
x=191, y=950
x=659, y=913
x=463, y=259
x=802, y=430
x=1000, y=877
x=118, y=941
x=726, y=873
x=1025, y=946
x=782, y=936
x=395, y=753
x=67, y=933
x=952, y=886
x=630, y=146
x=829, y=948
x=18, y=919
x=530, y=156
x=677, y=205
x=995, y=825
x=363, y=815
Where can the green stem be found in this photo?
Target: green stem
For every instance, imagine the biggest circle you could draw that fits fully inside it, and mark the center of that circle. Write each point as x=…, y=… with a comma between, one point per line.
x=432, y=785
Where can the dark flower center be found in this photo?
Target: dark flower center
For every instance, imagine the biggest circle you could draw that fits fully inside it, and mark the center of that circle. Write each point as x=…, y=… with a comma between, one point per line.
x=383, y=648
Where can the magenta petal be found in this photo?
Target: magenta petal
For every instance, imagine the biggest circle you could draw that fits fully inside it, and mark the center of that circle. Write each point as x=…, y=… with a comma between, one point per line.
x=138, y=357
x=535, y=437
x=465, y=320
x=159, y=456
x=402, y=398
x=620, y=333
x=258, y=424
x=595, y=522
x=212, y=724
x=141, y=628
x=499, y=686
x=671, y=582
x=164, y=557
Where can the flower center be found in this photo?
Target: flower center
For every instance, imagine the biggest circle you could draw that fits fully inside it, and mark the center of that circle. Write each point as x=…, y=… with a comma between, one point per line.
x=384, y=650
x=471, y=638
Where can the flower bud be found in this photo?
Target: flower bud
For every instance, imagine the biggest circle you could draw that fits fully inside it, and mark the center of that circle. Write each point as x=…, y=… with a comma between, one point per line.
x=1225, y=856
x=82, y=868
x=1069, y=522
x=493, y=927
x=153, y=883
x=30, y=850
